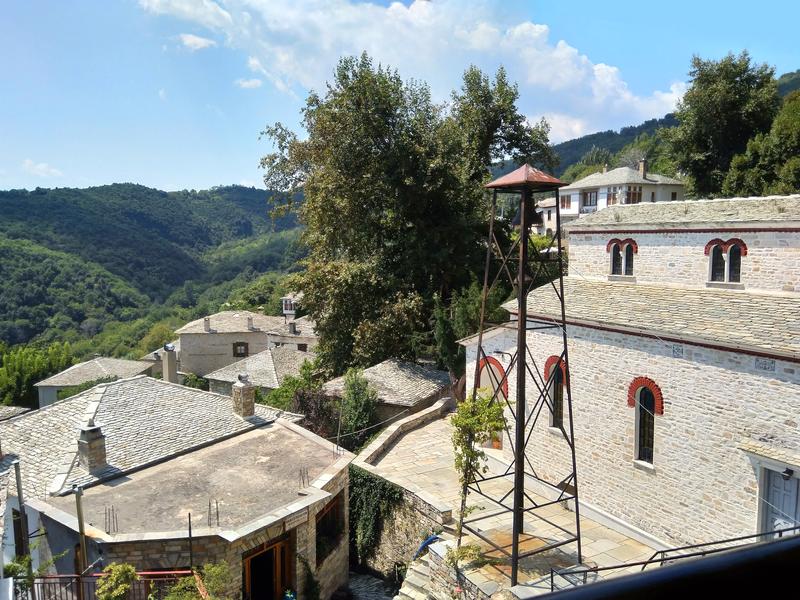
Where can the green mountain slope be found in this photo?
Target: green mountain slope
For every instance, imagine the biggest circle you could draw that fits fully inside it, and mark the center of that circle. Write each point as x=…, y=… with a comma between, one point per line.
x=44, y=289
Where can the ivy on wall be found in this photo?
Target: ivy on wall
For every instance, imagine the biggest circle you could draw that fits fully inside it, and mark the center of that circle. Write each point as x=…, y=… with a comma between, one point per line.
x=372, y=500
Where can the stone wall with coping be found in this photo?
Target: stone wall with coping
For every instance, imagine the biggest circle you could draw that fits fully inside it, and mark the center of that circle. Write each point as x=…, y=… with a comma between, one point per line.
x=772, y=262
x=701, y=485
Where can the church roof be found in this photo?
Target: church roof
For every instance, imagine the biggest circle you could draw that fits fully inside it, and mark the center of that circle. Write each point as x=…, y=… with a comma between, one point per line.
x=765, y=323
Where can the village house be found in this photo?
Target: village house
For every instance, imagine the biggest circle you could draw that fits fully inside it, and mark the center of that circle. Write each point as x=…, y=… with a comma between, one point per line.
x=215, y=341
x=402, y=387
x=141, y=457
x=265, y=370
x=623, y=185
x=298, y=334
x=98, y=368
x=684, y=367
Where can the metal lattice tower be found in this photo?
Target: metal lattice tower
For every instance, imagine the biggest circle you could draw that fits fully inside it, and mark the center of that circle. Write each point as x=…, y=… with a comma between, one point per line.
x=518, y=262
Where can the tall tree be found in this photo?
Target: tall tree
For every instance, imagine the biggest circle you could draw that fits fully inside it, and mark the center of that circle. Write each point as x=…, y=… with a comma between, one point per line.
x=393, y=204
x=728, y=102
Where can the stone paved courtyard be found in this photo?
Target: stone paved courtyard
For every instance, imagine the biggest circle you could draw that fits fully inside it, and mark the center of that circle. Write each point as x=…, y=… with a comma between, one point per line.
x=423, y=458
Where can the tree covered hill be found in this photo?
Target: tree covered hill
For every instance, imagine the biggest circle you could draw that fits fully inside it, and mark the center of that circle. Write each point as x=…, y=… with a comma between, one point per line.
x=74, y=260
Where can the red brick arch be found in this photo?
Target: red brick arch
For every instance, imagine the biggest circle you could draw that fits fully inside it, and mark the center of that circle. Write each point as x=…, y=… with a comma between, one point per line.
x=552, y=362
x=501, y=372
x=622, y=244
x=646, y=382
x=726, y=245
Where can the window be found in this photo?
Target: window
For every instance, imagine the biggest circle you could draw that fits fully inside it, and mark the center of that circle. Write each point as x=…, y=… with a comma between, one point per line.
x=645, y=397
x=612, y=195
x=240, y=350
x=330, y=525
x=616, y=260
x=629, y=259
x=556, y=392
x=645, y=425
x=302, y=347
x=590, y=198
x=674, y=196
x=652, y=196
x=19, y=542
x=549, y=215
x=725, y=260
x=634, y=194
x=566, y=201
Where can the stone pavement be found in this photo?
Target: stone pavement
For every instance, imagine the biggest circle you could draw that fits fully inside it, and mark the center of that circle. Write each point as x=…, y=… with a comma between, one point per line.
x=423, y=458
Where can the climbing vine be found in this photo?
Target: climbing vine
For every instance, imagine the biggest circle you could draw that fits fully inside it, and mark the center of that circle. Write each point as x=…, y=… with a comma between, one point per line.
x=372, y=500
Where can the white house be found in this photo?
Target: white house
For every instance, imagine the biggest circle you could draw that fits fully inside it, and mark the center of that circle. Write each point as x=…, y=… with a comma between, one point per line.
x=684, y=350
x=623, y=185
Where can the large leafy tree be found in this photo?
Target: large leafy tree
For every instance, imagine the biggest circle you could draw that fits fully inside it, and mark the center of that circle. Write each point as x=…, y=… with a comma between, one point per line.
x=728, y=102
x=771, y=163
x=392, y=199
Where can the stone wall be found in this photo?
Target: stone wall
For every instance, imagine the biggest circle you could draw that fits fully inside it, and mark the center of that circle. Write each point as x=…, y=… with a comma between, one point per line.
x=772, y=261
x=202, y=353
x=701, y=485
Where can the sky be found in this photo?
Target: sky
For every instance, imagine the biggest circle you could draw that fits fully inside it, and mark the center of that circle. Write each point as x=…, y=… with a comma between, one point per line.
x=174, y=93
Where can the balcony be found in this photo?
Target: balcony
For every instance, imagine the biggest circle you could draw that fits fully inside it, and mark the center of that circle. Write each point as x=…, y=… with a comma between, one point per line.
x=588, y=209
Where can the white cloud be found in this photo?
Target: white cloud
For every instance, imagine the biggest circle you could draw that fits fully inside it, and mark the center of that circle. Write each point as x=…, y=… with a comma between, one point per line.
x=564, y=127
x=195, y=42
x=40, y=169
x=248, y=84
x=294, y=45
x=162, y=94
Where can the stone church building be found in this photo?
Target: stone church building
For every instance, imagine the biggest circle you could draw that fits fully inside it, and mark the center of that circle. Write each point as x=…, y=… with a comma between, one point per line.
x=683, y=321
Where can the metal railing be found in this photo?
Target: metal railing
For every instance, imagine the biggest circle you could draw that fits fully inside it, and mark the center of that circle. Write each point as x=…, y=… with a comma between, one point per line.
x=574, y=576
x=151, y=585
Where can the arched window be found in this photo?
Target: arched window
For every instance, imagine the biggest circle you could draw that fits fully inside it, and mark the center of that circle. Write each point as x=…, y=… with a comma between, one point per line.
x=616, y=260
x=629, y=259
x=734, y=263
x=645, y=425
x=645, y=396
x=492, y=375
x=717, y=263
x=556, y=392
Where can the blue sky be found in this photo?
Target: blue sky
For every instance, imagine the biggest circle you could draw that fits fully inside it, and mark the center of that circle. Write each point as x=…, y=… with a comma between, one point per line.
x=173, y=93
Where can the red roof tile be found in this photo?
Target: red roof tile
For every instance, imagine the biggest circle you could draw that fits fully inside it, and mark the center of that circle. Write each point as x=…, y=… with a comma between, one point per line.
x=526, y=175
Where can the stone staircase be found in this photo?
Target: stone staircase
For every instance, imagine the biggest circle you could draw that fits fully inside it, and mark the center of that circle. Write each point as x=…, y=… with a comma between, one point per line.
x=417, y=581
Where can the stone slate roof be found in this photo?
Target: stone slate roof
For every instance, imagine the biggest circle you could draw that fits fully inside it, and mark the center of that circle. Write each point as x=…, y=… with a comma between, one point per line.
x=620, y=176
x=145, y=420
x=266, y=369
x=7, y=412
x=728, y=212
x=97, y=368
x=152, y=354
x=305, y=328
x=722, y=317
x=233, y=321
x=398, y=383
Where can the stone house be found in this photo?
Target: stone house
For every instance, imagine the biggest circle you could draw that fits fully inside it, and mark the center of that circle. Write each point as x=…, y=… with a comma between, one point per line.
x=623, y=185
x=100, y=367
x=402, y=387
x=684, y=352
x=265, y=370
x=299, y=334
x=223, y=338
x=141, y=455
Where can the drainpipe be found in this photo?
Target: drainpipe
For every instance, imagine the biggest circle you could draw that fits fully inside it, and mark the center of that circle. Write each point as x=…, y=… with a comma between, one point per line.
x=78, y=491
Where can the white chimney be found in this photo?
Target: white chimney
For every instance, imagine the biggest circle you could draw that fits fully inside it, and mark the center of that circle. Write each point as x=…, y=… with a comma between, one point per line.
x=206, y=324
x=605, y=168
x=250, y=323
x=92, y=447
x=169, y=364
x=643, y=167
x=243, y=394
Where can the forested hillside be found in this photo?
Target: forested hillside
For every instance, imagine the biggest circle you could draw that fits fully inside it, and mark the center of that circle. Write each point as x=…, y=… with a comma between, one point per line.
x=75, y=263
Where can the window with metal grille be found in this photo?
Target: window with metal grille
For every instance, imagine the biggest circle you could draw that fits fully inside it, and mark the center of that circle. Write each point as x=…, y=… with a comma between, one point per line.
x=645, y=425
x=717, y=264
x=616, y=260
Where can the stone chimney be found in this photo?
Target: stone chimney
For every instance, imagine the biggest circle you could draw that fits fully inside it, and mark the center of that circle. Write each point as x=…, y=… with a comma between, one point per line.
x=643, y=167
x=244, y=397
x=92, y=447
x=605, y=168
x=206, y=324
x=169, y=364
x=250, y=323
x=292, y=328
